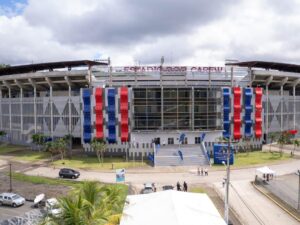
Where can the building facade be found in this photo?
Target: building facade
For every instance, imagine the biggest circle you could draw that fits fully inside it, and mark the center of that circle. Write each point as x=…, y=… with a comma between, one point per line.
x=134, y=107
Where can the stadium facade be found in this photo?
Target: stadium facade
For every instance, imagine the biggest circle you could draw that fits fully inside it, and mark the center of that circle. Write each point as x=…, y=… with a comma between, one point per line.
x=134, y=107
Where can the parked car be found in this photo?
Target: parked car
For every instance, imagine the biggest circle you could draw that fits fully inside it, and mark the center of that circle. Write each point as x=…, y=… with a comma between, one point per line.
x=11, y=199
x=167, y=187
x=68, y=173
x=148, y=188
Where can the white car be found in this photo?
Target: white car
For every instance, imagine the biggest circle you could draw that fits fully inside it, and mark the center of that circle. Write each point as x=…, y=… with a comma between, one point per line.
x=11, y=199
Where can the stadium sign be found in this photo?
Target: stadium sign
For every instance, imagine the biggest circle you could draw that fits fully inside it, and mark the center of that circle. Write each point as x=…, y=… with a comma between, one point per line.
x=171, y=69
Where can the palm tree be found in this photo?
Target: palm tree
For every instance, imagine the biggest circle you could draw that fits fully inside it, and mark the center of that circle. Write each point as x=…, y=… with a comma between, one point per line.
x=99, y=146
x=89, y=204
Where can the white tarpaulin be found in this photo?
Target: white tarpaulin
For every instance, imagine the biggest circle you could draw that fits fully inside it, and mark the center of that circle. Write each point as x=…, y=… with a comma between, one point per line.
x=265, y=170
x=170, y=208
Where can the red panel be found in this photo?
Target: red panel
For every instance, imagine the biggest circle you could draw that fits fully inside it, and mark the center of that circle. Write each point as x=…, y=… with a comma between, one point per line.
x=258, y=112
x=237, y=113
x=124, y=113
x=99, y=113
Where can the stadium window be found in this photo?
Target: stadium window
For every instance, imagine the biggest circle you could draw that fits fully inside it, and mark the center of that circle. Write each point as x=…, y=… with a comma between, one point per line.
x=170, y=141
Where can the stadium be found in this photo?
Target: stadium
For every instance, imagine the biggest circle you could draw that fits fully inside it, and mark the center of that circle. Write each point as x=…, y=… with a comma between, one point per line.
x=147, y=111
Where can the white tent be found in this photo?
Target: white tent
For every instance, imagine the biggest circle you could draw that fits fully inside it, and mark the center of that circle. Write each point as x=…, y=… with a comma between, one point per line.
x=170, y=208
x=265, y=170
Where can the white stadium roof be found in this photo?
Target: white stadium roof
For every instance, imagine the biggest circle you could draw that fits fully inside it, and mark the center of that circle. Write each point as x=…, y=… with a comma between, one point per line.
x=170, y=208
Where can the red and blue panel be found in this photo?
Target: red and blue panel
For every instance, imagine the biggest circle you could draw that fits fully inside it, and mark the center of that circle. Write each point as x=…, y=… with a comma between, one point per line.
x=87, y=127
x=226, y=112
x=258, y=112
x=124, y=113
x=99, y=113
x=248, y=111
x=111, y=112
x=237, y=113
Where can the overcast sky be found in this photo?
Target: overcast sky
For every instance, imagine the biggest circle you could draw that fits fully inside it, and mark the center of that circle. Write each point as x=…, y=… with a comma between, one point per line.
x=131, y=32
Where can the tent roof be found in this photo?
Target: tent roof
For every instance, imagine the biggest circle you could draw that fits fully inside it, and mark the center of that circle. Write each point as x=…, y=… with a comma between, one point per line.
x=170, y=207
x=265, y=170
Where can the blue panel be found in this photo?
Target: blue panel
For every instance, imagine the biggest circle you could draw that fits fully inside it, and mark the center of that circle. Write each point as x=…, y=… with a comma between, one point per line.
x=220, y=154
x=226, y=112
x=87, y=128
x=248, y=110
x=111, y=111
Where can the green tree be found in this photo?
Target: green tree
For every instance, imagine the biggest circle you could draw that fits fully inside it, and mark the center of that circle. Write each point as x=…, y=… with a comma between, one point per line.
x=39, y=140
x=296, y=143
x=284, y=138
x=273, y=137
x=89, y=204
x=99, y=147
x=61, y=147
x=68, y=138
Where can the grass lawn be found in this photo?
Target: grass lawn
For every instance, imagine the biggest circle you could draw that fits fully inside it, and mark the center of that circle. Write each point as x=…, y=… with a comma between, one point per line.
x=257, y=157
x=6, y=149
x=197, y=190
x=91, y=162
x=19, y=152
x=69, y=183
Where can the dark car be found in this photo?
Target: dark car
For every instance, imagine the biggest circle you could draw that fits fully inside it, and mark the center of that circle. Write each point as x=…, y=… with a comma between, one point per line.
x=167, y=187
x=68, y=173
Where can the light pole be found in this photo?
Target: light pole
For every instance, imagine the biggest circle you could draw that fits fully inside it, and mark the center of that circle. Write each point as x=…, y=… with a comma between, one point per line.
x=226, y=206
x=10, y=178
x=227, y=184
x=298, y=173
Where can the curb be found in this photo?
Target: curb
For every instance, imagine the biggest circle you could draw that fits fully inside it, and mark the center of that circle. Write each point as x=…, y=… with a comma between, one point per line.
x=277, y=203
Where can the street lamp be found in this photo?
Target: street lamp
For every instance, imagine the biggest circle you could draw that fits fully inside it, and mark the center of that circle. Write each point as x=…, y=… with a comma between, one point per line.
x=227, y=181
x=298, y=208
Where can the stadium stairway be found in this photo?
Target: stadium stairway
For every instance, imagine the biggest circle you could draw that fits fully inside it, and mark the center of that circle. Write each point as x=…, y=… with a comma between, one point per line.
x=193, y=155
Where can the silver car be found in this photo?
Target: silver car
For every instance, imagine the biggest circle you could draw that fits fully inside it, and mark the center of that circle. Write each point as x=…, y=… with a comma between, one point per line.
x=11, y=199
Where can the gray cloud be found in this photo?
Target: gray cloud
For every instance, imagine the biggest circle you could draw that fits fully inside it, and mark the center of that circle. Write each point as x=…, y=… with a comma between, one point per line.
x=127, y=21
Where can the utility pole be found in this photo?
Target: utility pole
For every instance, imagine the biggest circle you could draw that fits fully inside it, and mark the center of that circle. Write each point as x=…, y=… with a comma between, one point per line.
x=298, y=191
x=10, y=179
x=227, y=184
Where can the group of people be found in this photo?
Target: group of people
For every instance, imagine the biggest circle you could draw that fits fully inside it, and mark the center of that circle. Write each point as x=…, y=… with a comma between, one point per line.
x=185, y=186
x=202, y=171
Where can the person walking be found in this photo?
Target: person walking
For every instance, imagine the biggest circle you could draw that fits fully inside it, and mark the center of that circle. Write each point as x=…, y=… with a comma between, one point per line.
x=201, y=171
x=198, y=171
x=178, y=186
x=185, y=187
x=206, y=172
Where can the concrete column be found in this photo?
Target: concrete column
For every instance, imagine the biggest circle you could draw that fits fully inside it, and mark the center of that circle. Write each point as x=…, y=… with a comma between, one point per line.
x=35, y=109
x=281, y=108
x=267, y=110
x=32, y=82
x=294, y=107
x=192, y=108
x=21, y=111
x=9, y=96
x=51, y=111
x=162, y=107
x=231, y=75
x=70, y=111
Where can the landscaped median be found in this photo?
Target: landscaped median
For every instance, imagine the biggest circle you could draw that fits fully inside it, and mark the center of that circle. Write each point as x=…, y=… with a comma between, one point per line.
x=88, y=162
x=257, y=158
